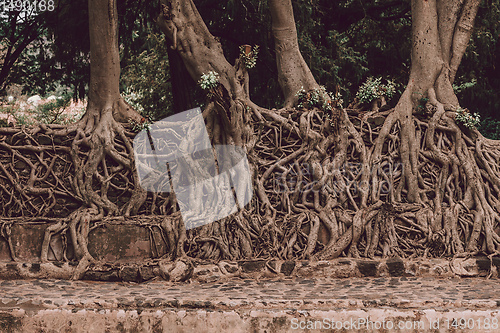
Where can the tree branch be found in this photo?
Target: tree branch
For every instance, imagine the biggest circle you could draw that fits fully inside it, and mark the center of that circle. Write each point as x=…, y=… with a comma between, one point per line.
x=462, y=34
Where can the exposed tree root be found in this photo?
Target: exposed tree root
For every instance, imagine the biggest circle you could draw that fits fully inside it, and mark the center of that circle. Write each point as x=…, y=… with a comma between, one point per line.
x=320, y=192
x=356, y=183
x=70, y=173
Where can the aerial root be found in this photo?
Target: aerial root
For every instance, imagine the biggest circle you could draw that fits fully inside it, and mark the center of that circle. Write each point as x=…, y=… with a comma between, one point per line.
x=321, y=191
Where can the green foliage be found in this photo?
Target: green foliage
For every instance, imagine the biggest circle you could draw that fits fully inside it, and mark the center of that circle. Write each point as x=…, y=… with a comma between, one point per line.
x=12, y=110
x=465, y=85
x=18, y=29
x=490, y=128
x=480, y=63
x=209, y=81
x=318, y=98
x=423, y=100
x=137, y=127
x=373, y=89
x=421, y=105
x=250, y=59
x=321, y=99
x=146, y=80
x=345, y=41
x=51, y=112
x=466, y=118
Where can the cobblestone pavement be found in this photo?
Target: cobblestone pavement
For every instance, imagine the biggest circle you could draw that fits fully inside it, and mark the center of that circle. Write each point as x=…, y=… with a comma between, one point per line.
x=293, y=293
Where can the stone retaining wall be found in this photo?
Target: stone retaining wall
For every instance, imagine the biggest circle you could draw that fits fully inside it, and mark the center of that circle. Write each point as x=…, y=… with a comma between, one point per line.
x=129, y=250
x=212, y=272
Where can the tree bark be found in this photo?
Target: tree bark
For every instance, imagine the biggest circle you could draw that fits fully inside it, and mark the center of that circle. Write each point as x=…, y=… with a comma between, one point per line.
x=182, y=83
x=293, y=72
x=104, y=91
x=434, y=31
x=104, y=119
x=440, y=33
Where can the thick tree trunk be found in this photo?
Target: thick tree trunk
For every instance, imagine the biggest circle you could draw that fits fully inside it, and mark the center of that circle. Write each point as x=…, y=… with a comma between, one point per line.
x=437, y=38
x=104, y=91
x=228, y=111
x=440, y=33
x=182, y=83
x=106, y=114
x=201, y=52
x=293, y=72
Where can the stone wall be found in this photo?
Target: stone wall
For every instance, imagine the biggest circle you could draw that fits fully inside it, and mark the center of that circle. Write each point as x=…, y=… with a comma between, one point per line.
x=132, y=250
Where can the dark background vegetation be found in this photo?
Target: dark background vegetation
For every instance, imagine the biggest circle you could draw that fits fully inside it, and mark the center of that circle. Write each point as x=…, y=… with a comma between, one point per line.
x=343, y=42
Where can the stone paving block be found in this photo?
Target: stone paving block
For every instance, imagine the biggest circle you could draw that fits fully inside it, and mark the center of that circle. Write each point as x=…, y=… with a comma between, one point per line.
x=382, y=304
x=147, y=273
x=396, y=266
x=229, y=268
x=287, y=267
x=496, y=261
x=249, y=266
x=129, y=274
x=368, y=267
x=207, y=273
x=484, y=264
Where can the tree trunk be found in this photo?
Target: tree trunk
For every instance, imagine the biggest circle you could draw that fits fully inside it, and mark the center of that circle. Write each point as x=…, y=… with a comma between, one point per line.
x=182, y=83
x=440, y=33
x=104, y=91
x=437, y=38
x=293, y=72
x=106, y=115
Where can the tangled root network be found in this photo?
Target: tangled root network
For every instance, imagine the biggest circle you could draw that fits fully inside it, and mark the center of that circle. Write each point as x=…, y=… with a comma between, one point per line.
x=323, y=188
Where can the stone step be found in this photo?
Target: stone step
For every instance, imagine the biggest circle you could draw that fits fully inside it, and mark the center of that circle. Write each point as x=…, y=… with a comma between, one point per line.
x=290, y=304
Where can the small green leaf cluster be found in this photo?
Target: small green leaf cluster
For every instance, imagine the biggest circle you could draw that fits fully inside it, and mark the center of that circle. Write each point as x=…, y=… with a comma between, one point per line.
x=319, y=98
x=466, y=85
x=13, y=110
x=490, y=128
x=137, y=127
x=373, y=89
x=250, y=59
x=466, y=118
x=209, y=81
x=51, y=112
x=421, y=105
x=135, y=99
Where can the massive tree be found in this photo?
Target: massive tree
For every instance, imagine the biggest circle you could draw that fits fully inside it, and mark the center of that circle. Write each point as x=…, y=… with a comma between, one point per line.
x=74, y=159
x=409, y=180
x=103, y=121
x=416, y=179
